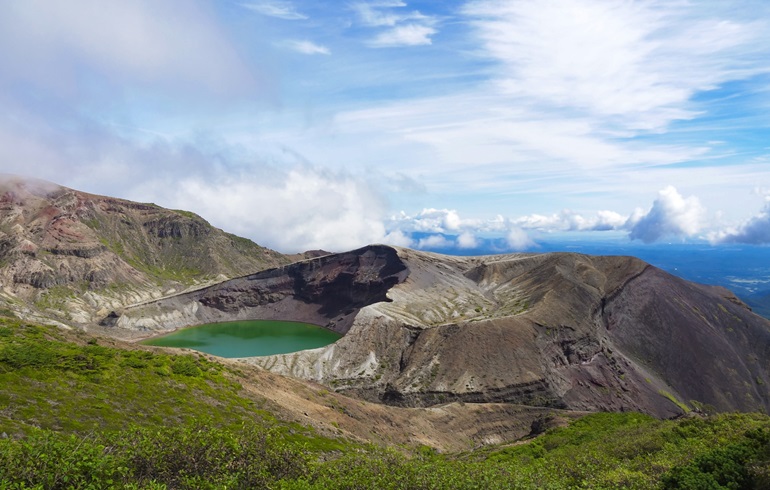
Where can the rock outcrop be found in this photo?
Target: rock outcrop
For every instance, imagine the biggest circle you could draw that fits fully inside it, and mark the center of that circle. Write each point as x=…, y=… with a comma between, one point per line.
x=548, y=330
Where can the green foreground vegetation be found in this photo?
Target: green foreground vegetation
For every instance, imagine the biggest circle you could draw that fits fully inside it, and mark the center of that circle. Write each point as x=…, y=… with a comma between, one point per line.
x=75, y=414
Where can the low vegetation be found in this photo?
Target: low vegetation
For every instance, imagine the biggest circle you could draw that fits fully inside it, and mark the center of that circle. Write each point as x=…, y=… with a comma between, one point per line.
x=76, y=414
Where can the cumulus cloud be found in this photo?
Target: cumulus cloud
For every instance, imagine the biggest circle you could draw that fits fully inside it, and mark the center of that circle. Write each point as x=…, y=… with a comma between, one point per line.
x=275, y=8
x=756, y=230
x=671, y=215
x=401, y=28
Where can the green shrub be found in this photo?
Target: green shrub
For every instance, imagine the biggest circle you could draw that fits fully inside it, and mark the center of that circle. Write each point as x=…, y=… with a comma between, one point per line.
x=49, y=460
x=730, y=467
x=185, y=366
x=189, y=457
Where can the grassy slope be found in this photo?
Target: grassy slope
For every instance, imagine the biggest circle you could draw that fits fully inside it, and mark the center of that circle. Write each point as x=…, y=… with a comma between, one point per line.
x=83, y=415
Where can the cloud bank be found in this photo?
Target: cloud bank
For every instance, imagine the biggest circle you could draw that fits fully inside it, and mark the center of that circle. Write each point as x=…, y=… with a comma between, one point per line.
x=671, y=216
x=755, y=230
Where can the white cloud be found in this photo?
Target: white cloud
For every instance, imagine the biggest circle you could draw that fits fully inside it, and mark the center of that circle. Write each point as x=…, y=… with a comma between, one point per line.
x=403, y=28
x=405, y=35
x=467, y=240
x=398, y=238
x=435, y=241
x=671, y=215
x=307, y=47
x=275, y=8
x=575, y=92
x=447, y=229
x=567, y=220
x=431, y=220
x=374, y=14
x=608, y=220
x=518, y=239
x=635, y=64
x=755, y=230
x=302, y=210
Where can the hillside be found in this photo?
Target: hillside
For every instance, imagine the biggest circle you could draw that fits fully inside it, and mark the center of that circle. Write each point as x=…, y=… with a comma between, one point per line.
x=74, y=256
x=548, y=330
x=78, y=411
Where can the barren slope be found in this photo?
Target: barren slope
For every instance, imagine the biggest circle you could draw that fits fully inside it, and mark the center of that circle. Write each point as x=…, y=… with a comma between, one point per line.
x=551, y=330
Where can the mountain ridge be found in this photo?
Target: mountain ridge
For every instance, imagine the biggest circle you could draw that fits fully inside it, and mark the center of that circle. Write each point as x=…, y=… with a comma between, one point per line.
x=552, y=330
x=549, y=330
x=64, y=250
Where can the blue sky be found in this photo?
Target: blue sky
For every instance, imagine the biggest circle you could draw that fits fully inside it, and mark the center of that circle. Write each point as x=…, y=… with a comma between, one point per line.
x=319, y=124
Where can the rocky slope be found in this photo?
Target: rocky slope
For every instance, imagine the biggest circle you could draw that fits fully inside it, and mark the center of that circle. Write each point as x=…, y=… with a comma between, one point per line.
x=549, y=330
x=328, y=291
x=74, y=256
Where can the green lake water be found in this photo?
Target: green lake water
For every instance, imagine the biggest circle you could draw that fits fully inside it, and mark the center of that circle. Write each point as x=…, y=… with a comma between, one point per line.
x=248, y=338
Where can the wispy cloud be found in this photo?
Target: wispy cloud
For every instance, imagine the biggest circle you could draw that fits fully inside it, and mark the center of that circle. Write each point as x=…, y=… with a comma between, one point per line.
x=574, y=93
x=636, y=65
x=275, y=8
x=410, y=28
x=379, y=14
x=307, y=47
x=404, y=35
